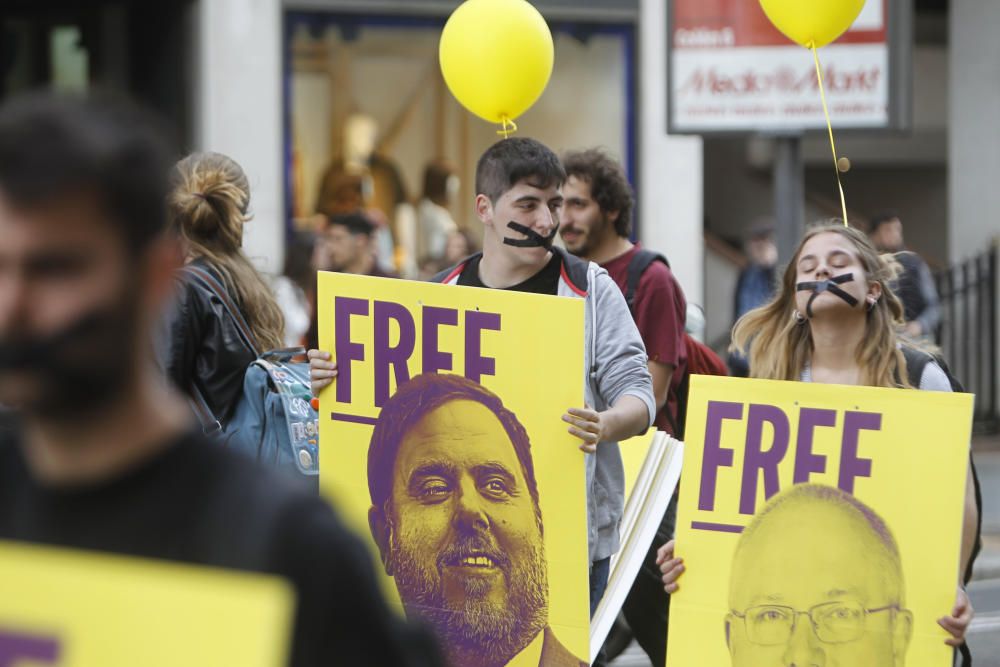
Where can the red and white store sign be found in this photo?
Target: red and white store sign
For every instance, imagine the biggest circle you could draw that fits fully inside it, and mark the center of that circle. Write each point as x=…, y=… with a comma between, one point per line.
x=732, y=71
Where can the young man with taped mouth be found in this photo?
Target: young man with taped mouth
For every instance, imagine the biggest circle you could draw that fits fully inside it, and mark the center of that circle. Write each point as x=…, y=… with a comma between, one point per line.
x=455, y=514
x=518, y=183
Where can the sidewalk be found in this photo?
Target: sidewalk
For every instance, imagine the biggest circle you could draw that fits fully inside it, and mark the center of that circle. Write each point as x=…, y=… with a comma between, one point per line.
x=988, y=563
x=987, y=452
x=986, y=443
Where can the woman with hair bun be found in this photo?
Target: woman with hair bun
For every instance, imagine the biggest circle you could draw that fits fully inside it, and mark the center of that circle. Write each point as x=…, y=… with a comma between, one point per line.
x=207, y=351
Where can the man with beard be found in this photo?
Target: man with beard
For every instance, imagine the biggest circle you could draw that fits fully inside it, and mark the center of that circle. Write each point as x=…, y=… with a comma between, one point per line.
x=456, y=518
x=518, y=201
x=346, y=244
x=596, y=220
x=97, y=452
x=348, y=241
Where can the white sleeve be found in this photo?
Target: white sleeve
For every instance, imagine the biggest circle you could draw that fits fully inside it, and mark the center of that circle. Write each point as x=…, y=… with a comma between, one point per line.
x=934, y=379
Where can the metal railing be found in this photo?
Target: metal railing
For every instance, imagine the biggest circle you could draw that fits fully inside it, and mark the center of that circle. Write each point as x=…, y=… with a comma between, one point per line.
x=968, y=332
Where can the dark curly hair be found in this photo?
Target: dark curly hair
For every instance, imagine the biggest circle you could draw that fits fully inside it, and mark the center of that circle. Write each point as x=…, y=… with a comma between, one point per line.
x=608, y=185
x=52, y=145
x=511, y=160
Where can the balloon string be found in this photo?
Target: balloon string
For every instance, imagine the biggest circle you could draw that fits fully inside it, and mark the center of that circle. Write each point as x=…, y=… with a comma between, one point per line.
x=829, y=129
x=508, y=128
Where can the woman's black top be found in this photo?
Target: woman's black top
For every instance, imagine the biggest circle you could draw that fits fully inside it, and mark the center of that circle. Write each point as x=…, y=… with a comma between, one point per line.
x=202, y=346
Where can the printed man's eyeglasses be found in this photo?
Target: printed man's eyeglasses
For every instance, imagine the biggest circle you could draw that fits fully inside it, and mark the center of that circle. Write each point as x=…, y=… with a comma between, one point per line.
x=833, y=622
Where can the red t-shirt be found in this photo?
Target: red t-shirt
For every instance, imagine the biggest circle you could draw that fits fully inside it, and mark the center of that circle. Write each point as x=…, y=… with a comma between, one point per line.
x=660, y=311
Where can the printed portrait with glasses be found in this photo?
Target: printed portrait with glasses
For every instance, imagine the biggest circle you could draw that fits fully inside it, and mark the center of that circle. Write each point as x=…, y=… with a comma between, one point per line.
x=817, y=579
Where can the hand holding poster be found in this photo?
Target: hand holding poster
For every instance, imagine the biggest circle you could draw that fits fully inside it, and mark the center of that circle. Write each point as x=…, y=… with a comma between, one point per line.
x=818, y=522
x=446, y=447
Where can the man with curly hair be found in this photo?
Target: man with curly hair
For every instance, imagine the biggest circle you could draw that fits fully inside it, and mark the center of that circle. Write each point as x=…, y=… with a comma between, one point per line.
x=595, y=224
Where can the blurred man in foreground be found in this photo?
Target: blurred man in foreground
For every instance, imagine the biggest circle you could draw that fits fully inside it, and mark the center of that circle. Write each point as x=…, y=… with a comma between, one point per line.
x=98, y=452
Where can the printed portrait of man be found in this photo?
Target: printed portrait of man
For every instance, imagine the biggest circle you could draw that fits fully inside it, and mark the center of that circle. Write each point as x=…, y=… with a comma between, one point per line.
x=817, y=579
x=456, y=518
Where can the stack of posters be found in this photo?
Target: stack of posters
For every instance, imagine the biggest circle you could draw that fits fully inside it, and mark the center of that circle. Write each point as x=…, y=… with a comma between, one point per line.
x=819, y=524
x=649, y=491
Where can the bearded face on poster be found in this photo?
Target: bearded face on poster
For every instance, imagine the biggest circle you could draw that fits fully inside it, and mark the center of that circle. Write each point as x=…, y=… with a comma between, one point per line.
x=456, y=518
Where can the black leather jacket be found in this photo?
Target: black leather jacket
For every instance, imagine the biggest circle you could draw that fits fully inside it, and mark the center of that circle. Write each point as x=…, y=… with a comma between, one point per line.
x=202, y=346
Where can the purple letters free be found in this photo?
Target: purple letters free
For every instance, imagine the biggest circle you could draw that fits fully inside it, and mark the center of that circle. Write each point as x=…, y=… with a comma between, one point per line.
x=760, y=462
x=387, y=358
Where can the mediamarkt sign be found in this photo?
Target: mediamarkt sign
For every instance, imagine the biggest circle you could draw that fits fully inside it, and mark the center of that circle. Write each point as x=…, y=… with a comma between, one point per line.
x=732, y=71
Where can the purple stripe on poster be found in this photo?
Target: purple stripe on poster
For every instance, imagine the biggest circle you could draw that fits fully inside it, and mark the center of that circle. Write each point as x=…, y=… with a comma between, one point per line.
x=353, y=419
x=717, y=527
x=16, y=647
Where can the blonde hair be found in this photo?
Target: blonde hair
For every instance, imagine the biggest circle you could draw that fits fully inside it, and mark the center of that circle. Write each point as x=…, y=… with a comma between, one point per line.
x=779, y=345
x=208, y=208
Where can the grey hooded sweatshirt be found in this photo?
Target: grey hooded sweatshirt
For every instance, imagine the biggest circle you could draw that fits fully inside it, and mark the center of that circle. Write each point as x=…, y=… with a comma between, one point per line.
x=615, y=366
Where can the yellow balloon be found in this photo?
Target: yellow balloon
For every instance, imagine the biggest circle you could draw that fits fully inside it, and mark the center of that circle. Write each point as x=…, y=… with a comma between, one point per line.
x=496, y=57
x=812, y=22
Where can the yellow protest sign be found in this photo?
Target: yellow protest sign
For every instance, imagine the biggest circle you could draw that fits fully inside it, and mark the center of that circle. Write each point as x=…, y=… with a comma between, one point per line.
x=82, y=609
x=818, y=523
x=443, y=444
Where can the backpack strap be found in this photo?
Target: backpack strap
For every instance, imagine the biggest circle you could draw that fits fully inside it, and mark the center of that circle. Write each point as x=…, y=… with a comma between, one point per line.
x=574, y=271
x=210, y=424
x=446, y=276
x=206, y=280
x=916, y=362
x=636, y=267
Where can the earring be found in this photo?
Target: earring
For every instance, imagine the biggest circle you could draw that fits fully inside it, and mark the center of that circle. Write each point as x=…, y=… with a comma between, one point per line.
x=872, y=301
x=798, y=317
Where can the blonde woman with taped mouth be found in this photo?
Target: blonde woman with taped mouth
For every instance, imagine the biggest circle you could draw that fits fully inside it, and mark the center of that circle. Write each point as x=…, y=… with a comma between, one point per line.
x=835, y=320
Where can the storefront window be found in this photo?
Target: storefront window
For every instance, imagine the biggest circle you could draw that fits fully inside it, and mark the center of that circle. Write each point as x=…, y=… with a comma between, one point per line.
x=371, y=124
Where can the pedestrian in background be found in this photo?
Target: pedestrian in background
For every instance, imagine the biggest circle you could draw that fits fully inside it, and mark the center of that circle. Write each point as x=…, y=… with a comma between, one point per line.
x=346, y=244
x=205, y=351
x=295, y=288
x=756, y=283
x=348, y=240
x=915, y=285
x=596, y=220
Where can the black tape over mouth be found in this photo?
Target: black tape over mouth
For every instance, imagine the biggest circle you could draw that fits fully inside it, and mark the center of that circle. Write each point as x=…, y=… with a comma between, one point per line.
x=44, y=351
x=817, y=287
x=532, y=239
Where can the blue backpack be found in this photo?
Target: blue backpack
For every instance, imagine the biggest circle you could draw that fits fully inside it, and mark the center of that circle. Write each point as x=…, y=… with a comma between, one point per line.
x=274, y=421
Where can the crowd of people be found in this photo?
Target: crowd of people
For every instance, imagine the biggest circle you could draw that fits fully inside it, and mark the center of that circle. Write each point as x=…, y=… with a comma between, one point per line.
x=99, y=304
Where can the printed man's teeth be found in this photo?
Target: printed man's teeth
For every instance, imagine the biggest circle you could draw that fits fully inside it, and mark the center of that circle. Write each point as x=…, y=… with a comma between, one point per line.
x=477, y=561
